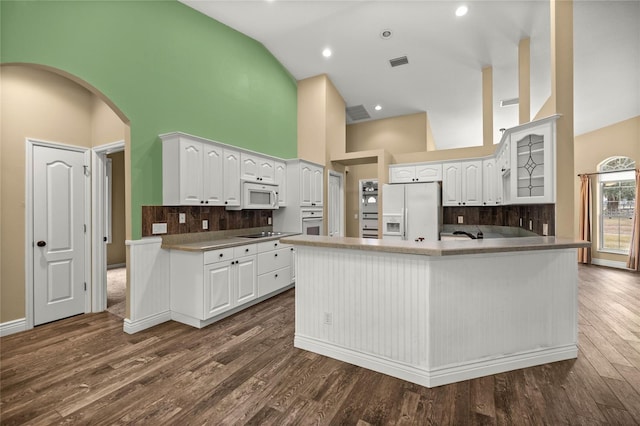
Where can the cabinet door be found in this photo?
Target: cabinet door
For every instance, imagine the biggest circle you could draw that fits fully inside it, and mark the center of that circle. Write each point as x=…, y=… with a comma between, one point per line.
x=317, y=186
x=191, y=154
x=428, y=172
x=213, y=175
x=249, y=169
x=246, y=279
x=491, y=181
x=471, y=173
x=402, y=174
x=231, y=178
x=532, y=165
x=280, y=179
x=451, y=184
x=266, y=170
x=218, y=291
x=306, y=177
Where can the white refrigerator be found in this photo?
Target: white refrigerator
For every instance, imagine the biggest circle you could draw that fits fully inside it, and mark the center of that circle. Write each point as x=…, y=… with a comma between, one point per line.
x=411, y=211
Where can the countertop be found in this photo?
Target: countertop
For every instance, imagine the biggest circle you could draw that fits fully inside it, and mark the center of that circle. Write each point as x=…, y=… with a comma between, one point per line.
x=439, y=248
x=219, y=243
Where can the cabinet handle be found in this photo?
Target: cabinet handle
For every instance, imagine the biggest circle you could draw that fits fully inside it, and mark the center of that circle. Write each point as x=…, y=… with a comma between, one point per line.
x=246, y=250
x=201, y=202
x=221, y=254
x=206, y=202
x=291, y=249
x=276, y=255
x=275, y=245
x=226, y=202
x=276, y=275
x=41, y=243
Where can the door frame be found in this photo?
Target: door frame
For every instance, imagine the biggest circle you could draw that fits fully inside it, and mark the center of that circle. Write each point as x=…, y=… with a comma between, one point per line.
x=98, y=220
x=342, y=201
x=29, y=249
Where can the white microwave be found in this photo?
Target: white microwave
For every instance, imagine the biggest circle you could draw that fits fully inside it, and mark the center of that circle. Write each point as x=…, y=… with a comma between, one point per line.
x=259, y=195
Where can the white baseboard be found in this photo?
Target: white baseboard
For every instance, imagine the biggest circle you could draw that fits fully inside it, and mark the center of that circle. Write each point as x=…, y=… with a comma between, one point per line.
x=116, y=265
x=440, y=376
x=132, y=327
x=12, y=327
x=609, y=263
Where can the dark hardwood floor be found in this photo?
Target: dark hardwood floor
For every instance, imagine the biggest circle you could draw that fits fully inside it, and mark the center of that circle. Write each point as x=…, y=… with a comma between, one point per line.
x=244, y=370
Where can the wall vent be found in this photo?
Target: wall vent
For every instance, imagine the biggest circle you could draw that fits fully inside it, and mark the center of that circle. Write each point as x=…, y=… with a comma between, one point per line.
x=509, y=102
x=396, y=62
x=357, y=112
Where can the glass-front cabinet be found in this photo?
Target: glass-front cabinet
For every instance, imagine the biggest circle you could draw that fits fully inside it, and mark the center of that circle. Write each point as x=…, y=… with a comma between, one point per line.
x=532, y=164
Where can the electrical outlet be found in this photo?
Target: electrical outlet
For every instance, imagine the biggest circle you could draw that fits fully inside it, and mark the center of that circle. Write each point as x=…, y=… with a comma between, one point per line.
x=328, y=318
x=269, y=221
x=520, y=222
x=205, y=224
x=460, y=219
x=530, y=225
x=355, y=216
x=545, y=229
x=182, y=218
x=159, y=228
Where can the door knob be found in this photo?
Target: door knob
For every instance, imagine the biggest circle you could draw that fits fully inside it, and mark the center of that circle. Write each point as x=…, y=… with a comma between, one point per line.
x=41, y=243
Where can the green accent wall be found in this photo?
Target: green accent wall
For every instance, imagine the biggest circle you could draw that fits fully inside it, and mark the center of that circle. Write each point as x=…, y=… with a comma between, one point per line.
x=167, y=68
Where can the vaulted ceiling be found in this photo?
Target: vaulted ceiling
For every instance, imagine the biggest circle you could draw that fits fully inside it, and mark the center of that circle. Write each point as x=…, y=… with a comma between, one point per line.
x=446, y=55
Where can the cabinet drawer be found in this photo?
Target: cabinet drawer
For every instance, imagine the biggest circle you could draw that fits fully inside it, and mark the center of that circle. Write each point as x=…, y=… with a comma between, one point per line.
x=213, y=256
x=273, y=260
x=248, y=250
x=269, y=245
x=273, y=281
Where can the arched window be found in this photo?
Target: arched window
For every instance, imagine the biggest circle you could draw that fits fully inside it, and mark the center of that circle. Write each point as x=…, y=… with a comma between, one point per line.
x=617, y=201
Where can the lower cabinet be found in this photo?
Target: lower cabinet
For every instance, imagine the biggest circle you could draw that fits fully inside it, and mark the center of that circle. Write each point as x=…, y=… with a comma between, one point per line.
x=207, y=286
x=274, y=267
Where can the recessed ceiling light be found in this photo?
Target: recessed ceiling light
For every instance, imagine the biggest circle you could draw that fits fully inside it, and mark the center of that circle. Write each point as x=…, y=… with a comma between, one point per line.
x=462, y=10
x=386, y=34
x=326, y=52
x=377, y=107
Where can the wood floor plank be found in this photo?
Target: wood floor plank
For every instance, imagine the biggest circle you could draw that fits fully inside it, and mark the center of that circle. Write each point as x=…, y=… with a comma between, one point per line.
x=245, y=370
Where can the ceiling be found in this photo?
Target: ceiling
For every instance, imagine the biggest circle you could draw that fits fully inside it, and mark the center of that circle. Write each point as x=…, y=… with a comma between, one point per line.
x=446, y=55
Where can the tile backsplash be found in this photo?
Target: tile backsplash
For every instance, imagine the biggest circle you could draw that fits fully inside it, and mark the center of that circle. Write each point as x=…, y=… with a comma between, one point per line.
x=218, y=218
x=538, y=214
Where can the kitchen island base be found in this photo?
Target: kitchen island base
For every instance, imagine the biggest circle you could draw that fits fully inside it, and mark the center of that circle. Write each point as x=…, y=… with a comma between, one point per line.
x=434, y=320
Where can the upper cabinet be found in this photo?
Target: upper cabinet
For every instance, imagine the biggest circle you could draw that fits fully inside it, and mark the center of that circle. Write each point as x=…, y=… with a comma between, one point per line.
x=533, y=164
x=257, y=168
x=408, y=173
x=197, y=171
x=304, y=184
x=311, y=186
x=193, y=172
x=280, y=179
x=523, y=170
x=491, y=183
x=462, y=183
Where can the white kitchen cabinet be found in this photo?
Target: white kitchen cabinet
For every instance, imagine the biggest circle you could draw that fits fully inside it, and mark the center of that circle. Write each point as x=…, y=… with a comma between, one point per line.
x=274, y=267
x=533, y=163
x=491, y=183
x=503, y=157
x=280, y=179
x=462, y=183
x=198, y=172
x=207, y=285
x=428, y=172
x=311, y=184
x=231, y=180
x=192, y=172
x=257, y=168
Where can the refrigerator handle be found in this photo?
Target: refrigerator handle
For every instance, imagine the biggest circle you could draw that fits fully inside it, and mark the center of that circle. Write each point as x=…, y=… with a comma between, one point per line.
x=405, y=230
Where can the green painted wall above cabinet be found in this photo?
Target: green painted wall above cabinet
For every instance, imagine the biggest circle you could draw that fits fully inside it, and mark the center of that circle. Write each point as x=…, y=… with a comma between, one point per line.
x=167, y=68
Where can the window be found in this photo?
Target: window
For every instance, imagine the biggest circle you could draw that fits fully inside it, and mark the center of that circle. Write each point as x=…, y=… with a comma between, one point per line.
x=617, y=191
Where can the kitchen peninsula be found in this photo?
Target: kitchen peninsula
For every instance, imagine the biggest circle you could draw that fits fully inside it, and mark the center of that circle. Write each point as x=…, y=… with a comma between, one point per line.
x=434, y=313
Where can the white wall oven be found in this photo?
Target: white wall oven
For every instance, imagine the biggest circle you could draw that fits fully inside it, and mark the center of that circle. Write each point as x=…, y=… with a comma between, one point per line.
x=312, y=222
x=259, y=196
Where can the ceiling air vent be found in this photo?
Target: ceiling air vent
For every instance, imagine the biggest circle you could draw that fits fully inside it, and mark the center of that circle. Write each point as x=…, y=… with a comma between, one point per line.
x=396, y=62
x=357, y=113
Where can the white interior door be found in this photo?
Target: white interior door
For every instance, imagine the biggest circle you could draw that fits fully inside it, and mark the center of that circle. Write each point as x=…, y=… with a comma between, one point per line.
x=58, y=233
x=335, y=205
